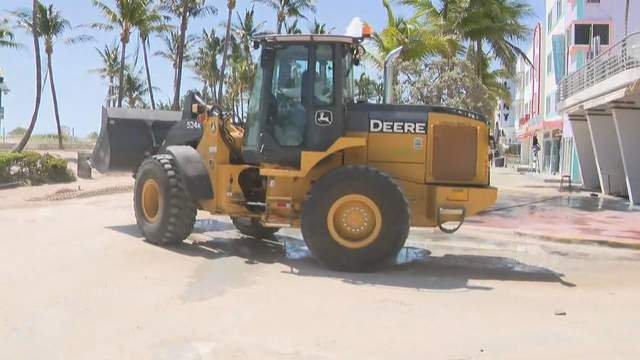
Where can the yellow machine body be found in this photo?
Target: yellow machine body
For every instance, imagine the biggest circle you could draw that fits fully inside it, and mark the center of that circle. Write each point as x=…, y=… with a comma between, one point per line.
x=444, y=174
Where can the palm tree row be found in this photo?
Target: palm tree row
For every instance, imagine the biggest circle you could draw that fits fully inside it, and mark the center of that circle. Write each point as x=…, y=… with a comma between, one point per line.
x=484, y=32
x=49, y=24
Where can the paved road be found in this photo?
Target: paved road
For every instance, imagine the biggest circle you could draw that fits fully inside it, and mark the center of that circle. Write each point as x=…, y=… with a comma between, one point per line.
x=77, y=282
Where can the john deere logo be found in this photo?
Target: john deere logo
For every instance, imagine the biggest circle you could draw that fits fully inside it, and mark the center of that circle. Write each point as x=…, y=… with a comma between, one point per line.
x=397, y=127
x=324, y=118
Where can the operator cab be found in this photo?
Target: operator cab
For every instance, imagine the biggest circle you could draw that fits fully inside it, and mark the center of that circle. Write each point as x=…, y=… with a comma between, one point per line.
x=302, y=86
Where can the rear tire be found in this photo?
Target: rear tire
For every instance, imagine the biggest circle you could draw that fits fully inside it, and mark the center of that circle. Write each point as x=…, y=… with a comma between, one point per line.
x=253, y=228
x=164, y=212
x=355, y=219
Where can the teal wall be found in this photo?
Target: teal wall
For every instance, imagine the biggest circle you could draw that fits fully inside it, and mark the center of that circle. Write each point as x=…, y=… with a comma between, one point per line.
x=580, y=5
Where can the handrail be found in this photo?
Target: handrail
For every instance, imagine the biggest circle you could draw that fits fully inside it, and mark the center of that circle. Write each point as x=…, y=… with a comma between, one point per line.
x=610, y=62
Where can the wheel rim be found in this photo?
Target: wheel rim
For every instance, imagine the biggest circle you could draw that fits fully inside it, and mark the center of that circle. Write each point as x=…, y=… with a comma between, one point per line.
x=354, y=221
x=151, y=200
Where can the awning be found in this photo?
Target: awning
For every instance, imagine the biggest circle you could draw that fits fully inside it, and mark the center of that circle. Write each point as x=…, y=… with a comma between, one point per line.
x=555, y=124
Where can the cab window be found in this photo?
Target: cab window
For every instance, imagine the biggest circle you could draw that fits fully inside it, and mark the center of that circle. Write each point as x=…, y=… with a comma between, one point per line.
x=291, y=66
x=324, y=93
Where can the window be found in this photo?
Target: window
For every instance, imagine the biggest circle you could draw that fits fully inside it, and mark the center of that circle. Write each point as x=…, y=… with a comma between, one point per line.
x=593, y=1
x=290, y=68
x=549, y=64
x=558, y=9
x=551, y=103
x=349, y=82
x=550, y=21
x=583, y=33
x=324, y=93
x=252, y=137
x=602, y=31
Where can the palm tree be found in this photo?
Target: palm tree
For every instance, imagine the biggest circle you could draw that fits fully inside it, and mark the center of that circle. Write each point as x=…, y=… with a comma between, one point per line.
x=6, y=35
x=205, y=65
x=51, y=27
x=170, y=40
x=184, y=10
x=126, y=16
x=416, y=38
x=498, y=24
x=36, y=47
x=320, y=28
x=151, y=22
x=135, y=89
x=286, y=9
x=231, y=4
x=292, y=28
x=246, y=29
x=110, y=56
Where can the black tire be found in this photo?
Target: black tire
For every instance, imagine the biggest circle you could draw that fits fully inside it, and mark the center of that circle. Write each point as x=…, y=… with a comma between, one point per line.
x=176, y=212
x=253, y=228
x=359, y=181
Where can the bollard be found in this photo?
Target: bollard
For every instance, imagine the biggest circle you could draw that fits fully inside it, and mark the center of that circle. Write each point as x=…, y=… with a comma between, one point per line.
x=84, y=166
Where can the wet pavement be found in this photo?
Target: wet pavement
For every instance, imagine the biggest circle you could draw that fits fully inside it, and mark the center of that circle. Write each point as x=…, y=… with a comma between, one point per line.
x=534, y=205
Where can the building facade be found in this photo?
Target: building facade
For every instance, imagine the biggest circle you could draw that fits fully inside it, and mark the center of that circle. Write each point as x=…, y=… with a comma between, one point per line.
x=528, y=100
x=572, y=32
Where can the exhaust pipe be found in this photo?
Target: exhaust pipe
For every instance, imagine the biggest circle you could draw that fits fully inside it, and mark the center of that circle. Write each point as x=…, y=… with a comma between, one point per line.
x=389, y=68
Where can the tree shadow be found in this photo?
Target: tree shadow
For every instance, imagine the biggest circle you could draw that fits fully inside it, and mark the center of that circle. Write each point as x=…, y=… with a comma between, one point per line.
x=413, y=268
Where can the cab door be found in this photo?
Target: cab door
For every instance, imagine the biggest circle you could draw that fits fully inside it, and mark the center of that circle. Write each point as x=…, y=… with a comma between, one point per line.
x=325, y=118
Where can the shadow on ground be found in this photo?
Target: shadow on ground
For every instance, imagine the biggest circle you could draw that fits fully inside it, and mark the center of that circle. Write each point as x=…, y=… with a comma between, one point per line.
x=414, y=267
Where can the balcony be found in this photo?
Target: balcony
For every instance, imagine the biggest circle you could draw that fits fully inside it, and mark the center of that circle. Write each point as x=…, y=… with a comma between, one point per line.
x=612, y=71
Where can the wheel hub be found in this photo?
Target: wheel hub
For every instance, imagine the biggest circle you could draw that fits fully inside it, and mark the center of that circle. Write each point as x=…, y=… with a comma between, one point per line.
x=354, y=221
x=151, y=200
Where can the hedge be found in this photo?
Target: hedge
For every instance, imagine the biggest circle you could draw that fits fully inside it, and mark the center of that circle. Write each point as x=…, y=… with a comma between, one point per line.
x=33, y=168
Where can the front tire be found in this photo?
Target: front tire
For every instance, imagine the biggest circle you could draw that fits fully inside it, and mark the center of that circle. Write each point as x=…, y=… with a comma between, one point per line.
x=164, y=212
x=355, y=219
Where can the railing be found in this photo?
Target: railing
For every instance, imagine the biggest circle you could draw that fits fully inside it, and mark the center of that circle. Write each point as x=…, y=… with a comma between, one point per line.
x=619, y=57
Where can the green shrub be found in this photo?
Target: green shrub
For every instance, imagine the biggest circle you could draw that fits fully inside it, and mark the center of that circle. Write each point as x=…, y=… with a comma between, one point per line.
x=33, y=168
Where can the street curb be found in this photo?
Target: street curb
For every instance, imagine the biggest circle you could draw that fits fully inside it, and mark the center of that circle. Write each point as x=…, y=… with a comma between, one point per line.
x=617, y=243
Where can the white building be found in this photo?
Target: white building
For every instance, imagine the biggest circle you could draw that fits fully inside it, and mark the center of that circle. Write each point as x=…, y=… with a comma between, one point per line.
x=572, y=27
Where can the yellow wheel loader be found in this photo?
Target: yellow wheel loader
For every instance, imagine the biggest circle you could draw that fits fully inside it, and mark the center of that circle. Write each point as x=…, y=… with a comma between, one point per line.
x=353, y=176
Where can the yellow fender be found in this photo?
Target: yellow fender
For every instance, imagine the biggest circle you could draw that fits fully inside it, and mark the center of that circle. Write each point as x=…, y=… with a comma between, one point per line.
x=310, y=159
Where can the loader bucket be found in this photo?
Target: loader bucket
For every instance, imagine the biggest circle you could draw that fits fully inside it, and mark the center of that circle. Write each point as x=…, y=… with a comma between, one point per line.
x=127, y=136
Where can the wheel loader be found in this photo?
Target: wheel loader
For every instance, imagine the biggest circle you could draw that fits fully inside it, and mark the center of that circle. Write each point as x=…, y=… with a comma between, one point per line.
x=353, y=176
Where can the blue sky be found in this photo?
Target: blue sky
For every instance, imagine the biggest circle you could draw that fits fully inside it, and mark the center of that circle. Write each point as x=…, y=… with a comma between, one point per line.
x=81, y=93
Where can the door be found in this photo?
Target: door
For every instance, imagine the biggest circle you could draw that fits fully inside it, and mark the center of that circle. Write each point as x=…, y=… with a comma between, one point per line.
x=326, y=112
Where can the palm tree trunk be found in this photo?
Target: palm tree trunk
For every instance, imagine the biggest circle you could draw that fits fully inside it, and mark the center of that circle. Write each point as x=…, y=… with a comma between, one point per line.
x=146, y=67
x=479, y=55
x=36, y=47
x=241, y=105
x=121, y=75
x=227, y=40
x=184, y=24
x=110, y=92
x=54, y=95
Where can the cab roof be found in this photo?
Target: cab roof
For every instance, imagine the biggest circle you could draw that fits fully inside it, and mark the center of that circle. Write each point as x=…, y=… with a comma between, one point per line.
x=343, y=39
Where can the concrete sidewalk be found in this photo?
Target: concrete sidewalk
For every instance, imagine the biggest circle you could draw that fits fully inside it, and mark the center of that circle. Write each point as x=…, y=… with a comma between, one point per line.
x=531, y=205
